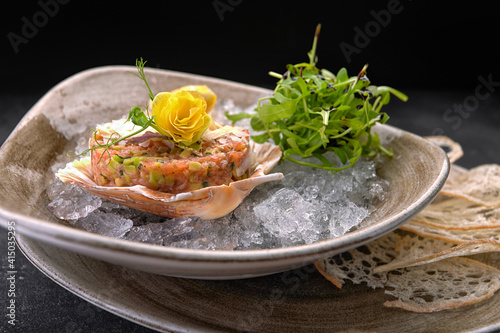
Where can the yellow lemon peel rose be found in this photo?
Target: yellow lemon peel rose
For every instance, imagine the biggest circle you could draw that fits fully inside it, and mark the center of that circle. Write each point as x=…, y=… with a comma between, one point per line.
x=182, y=115
x=205, y=91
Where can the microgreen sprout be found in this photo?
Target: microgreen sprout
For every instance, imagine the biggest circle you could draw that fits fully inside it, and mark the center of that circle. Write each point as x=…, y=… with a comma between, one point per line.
x=313, y=111
x=136, y=115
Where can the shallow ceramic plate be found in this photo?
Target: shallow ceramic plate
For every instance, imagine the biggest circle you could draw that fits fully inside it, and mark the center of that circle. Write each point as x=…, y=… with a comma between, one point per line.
x=417, y=172
x=300, y=300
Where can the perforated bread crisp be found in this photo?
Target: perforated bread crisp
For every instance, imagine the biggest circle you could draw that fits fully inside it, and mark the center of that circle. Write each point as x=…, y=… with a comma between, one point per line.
x=415, y=250
x=357, y=265
x=454, y=149
x=490, y=258
x=460, y=214
x=448, y=284
x=450, y=235
x=480, y=185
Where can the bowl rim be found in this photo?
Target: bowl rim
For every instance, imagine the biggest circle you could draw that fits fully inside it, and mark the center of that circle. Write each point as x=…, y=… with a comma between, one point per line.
x=345, y=242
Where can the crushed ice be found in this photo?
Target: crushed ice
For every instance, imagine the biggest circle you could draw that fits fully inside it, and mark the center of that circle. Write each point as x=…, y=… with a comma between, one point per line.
x=306, y=206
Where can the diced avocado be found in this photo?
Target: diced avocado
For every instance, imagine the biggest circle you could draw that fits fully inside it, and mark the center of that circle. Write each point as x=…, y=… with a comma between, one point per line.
x=118, y=158
x=194, y=166
x=169, y=180
x=113, y=165
x=155, y=177
x=185, y=153
x=131, y=160
x=130, y=169
x=127, y=179
x=196, y=186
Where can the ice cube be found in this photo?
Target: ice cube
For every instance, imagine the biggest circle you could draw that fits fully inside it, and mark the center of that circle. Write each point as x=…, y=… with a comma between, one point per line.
x=345, y=216
x=106, y=224
x=74, y=203
x=286, y=215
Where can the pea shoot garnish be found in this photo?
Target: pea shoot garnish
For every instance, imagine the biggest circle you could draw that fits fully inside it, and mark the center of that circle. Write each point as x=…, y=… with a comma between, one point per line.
x=136, y=115
x=313, y=111
x=180, y=116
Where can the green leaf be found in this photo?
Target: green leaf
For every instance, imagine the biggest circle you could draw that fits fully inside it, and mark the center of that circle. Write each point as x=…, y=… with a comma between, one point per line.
x=261, y=138
x=238, y=116
x=271, y=112
x=342, y=75
x=138, y=117
x=257, y=124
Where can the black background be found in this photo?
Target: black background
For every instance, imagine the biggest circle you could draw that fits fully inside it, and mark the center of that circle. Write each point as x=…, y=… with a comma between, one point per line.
x=426, y=49
x=423, y=46
x=434, y=53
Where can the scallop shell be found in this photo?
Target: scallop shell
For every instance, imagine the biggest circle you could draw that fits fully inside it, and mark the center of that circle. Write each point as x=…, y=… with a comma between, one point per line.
x=207, y=203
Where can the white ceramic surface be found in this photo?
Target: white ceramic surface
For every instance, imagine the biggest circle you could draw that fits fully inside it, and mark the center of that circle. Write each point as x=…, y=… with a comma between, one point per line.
x=416, y=172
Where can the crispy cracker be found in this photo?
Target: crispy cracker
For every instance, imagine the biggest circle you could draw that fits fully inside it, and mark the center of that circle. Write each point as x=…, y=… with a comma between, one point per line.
x=490, y=258
x=324, y=269
x=480, y=185
x=450, y=235
x=454, y=150
x=448, y=284
x=460, y=214
x=357, y=265
x=415, y=250
x=455, y=171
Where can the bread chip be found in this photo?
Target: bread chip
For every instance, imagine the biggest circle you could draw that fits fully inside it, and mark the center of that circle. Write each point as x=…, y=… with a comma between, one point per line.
x=357, y=265
x=434, y=286
x=480, y=185
x=415, y=250
x=455, y=171
x=450, y=235
x=454, y=150
x=325, y=267
x=491, y=259
x=448, y=284
x=459, y=214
